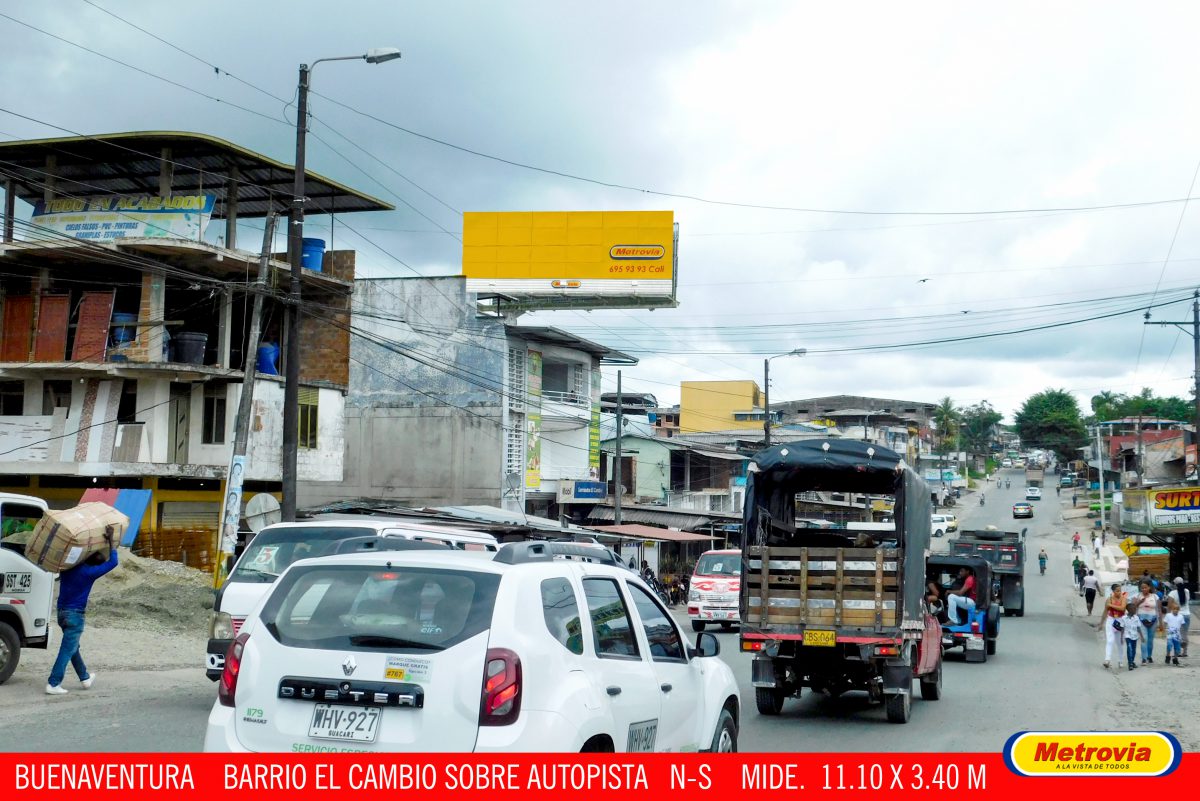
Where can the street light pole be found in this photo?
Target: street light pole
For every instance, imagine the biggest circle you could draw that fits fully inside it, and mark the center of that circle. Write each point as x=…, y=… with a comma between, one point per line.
x=767, y=392
x=291, y=388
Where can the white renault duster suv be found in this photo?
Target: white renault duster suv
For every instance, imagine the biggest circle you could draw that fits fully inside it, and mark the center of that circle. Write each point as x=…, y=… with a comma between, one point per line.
x=540, y=647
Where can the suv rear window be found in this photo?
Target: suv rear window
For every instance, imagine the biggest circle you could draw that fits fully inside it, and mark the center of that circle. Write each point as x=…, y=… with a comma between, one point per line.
x=272, y=551
x=369, y=607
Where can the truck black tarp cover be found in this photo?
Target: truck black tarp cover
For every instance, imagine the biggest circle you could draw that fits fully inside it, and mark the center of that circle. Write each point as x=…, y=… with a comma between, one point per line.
x=777, y=474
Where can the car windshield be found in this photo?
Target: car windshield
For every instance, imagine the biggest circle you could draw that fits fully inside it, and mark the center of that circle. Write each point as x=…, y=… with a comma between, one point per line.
x=366, y=608
x=719, y=564
x=274, y=549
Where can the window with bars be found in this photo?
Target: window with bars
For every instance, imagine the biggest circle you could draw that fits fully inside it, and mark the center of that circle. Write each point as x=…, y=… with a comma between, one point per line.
x=580, y=383
x=516, y=378
x=308, y=417
x=213, y=430
x=514, y=445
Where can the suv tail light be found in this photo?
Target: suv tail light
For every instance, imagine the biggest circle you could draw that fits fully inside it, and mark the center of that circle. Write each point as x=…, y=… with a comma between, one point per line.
x=500, y=703
x=233, y=664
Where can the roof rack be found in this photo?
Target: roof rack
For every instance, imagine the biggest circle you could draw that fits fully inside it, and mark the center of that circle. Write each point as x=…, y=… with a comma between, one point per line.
x=514, y=553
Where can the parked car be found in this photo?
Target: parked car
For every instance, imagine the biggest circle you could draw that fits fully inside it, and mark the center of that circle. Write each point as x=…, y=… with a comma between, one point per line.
x=1022, y=509
x=443, y=651
x=276, y=547
x=1033, y=493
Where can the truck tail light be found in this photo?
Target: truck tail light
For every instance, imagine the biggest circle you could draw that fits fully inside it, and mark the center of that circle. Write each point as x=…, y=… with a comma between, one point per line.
x=500, y=702
x=227, y=687
x=752, y=645
x=974, y=626
x=886, y=650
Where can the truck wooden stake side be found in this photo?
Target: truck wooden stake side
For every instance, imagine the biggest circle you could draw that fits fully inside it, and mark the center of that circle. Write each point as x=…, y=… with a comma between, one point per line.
x=836, y=610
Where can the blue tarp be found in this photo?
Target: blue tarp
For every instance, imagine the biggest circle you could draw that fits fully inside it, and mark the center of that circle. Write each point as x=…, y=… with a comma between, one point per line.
x=132, y=503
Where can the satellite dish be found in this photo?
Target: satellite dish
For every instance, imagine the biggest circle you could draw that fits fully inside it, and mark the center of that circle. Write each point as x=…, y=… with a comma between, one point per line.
x=261, y=511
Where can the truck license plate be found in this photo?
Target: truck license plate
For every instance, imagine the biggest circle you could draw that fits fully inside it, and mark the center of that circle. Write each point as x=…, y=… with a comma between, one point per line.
x=823, y=638
x=338, y=722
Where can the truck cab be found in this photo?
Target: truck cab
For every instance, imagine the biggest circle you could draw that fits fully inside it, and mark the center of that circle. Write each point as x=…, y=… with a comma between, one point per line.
x=26, y=591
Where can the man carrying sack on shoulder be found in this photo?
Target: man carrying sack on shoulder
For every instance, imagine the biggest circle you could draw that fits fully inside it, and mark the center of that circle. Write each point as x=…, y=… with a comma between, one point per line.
x=76, y=586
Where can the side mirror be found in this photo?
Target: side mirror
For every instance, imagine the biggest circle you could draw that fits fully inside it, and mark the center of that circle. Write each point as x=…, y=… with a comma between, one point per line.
x=707, y=645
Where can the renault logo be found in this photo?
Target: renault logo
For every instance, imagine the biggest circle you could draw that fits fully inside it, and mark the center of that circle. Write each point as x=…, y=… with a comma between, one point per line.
x=348, y=666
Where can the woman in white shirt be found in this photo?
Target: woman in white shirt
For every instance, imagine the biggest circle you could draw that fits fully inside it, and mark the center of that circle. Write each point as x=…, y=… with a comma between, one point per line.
x=1183, y=596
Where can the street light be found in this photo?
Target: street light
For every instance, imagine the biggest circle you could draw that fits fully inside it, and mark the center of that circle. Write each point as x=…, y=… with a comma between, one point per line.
x=767, y=391
x=291, y=389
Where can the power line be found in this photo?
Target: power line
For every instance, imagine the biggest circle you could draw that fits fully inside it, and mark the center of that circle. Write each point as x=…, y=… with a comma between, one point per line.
x=737, y=204
x=145, y=72
x=188, y=53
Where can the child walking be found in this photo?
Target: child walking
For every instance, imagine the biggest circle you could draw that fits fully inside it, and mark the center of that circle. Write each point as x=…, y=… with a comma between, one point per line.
x=1173, y=621
x=1132, y=626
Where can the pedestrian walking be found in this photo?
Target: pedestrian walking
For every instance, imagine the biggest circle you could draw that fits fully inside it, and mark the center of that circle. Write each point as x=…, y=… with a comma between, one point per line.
x=1173, y=625
x=1183, y=596
x=1096, y=547
x=1058, y=490
x=1091, y=586
x=1131, y=628
x=1042, y=561
x=1079, y=569
x=1149, y=610
x=1114, y=611
x=74, y=588
x=1074, y=499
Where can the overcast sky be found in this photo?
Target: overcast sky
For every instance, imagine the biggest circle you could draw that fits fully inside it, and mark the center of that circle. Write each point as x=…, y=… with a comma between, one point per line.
x=866, y=107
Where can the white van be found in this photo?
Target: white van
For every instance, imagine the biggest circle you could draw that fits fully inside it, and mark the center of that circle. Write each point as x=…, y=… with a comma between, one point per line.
x=276, y=547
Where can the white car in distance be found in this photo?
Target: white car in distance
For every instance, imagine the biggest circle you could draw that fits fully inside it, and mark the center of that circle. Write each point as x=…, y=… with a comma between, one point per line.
x=546, y=647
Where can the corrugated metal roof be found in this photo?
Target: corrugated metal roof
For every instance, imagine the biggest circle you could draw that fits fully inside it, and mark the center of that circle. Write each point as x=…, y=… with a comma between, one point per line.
x=662, y=517
x=130, y=163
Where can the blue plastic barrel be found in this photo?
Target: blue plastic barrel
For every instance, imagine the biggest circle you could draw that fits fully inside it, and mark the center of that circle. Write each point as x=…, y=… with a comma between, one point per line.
x=312, y=254
x=268, y=353
x=125, y=333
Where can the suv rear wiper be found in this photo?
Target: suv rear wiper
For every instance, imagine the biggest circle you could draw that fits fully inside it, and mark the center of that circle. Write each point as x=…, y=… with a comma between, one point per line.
x=384, y=641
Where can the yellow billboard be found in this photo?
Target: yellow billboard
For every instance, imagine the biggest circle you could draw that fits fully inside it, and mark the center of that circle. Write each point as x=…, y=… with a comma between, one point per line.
x=570, y=253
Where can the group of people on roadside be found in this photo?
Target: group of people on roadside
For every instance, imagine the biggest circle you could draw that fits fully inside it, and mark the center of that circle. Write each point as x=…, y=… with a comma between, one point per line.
x=1137, y=618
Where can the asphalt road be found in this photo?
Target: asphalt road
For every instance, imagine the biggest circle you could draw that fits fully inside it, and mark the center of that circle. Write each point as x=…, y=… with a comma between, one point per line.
x=1043, y=676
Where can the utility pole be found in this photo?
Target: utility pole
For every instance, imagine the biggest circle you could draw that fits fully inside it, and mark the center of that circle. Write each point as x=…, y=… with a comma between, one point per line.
x=291, y=387
x=1140, y=452
x=767, y=403
x=617, y=460
x=1100, y=466
x=1195, y=326
x=241, y=431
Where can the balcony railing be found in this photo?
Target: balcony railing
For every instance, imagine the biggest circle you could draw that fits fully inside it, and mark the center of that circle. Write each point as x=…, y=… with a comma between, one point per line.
x=570, y=398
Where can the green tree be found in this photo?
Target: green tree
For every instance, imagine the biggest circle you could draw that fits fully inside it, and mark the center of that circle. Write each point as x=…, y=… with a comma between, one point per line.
x=946, y=417
x=1051, y=419
x=1114, y=406
x=978, y=425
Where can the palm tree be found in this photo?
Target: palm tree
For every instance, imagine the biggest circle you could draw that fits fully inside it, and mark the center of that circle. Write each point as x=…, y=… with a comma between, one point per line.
x=947, y=417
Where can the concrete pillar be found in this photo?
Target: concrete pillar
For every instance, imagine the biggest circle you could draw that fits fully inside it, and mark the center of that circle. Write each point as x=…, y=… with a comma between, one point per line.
x=225, y=331
x=166, y=173
x=148, y=346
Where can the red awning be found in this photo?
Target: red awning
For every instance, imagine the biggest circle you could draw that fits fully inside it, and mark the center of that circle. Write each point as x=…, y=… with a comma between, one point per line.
x=652, y=533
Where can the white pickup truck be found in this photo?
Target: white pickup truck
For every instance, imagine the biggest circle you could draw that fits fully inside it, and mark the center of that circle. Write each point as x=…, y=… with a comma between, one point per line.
x=26, y=591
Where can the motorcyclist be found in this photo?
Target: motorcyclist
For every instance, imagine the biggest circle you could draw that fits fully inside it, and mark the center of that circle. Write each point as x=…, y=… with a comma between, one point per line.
x=981, y=498
x=1042, y=561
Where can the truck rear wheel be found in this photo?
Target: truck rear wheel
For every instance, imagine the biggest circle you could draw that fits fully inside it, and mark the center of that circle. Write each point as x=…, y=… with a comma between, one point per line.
x=931, y=685
x=769, y=700
x=899, y=707
x=10, y=651
x=697, y=625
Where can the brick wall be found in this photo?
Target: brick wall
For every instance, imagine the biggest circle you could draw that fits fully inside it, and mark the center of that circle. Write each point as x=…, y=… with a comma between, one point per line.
x=324, y=340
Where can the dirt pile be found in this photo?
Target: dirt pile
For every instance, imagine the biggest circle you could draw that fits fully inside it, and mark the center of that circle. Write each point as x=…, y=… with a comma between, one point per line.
x=144, y=593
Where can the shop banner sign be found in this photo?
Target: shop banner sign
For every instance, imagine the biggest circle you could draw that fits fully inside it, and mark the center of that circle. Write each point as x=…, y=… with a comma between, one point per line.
x=106, y=219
